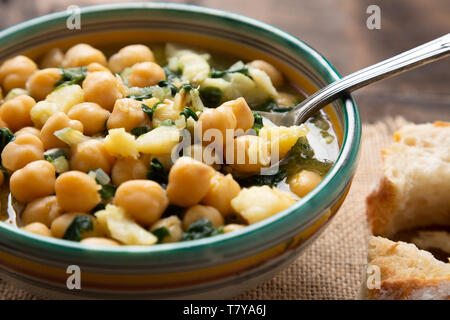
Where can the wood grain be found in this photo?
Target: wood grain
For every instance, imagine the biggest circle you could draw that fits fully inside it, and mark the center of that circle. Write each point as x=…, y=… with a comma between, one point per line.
x=338, y=30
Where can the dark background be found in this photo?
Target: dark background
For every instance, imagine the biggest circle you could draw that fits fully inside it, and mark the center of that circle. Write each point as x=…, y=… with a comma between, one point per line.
x=337, y=29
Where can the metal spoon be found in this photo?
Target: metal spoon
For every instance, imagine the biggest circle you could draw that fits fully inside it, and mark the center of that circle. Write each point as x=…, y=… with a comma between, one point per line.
x=421, y=55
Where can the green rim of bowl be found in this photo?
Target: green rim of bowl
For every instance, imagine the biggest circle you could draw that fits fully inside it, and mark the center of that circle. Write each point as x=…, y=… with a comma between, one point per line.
x=302, y=214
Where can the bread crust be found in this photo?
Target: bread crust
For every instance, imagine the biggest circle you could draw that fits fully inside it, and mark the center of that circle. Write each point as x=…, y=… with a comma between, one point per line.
x=380, y=204
x=411, y=289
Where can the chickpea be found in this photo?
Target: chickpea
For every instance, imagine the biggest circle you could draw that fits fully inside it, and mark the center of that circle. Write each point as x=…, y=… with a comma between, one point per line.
x=28, y=130
x=173, y=225
x=189, y=181
x=2, y=179
x=90, y=155
x=42, y=82
x=76, y=191
x=129, y=56
x=15, y=72
x=145, y=200
x=35, y=180
x=232, y=227
x=95, y=66
x=82, y=55
x=102, y=88
x=57, y=122
x=91, y=115
x=303, y=182
x=242, y=112
x=59, y=225
x=43, y=210
x=127, y=114
x=198, y=211
x=102, y=242
x=3, y=124
x=24, y=149
x=222, y=190
x=128, y=169
x=52, y=59
x=221, y=118
x=16, y=112
x=38, y=228
x=275, y=76
x=251, y=153
x=286, y=99
x=146, y=74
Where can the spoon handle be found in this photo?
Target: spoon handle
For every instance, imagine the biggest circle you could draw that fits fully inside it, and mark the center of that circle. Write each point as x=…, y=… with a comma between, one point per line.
x=426, y=53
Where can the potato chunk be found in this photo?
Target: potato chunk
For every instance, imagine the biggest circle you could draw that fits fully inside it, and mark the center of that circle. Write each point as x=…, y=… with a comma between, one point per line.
x=120, y=143
x=258, y=203
x=120, y=226
x=159, y=141
x=282, y=138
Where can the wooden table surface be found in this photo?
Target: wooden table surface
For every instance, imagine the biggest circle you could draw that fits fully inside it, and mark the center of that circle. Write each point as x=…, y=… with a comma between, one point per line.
x=337, y=29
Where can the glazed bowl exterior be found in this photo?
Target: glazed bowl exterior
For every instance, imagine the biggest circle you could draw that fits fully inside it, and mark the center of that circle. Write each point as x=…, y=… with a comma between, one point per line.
x=217, y=267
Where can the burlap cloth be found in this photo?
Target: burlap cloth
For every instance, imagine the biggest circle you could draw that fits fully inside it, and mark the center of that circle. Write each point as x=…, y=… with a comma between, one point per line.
x=332, y=267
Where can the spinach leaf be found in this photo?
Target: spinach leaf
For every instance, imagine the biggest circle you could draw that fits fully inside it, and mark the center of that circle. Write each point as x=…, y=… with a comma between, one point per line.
x=201, y=228
x=71, y=76
x=161, y=233
x=107, y=191
x=319, y=121
x=149, y=111
x=211, y=96
x=138, y=131
x=98, y=207
x=214, y=73
x=188, y=112
x=157, y=173
x=301, y=156
x=258, y=123
x=187, y=87
x=6, y=136
x=141, y=93
x=171, y=75
x=261, y=180
x=165, y=83
x=79, y=225
x=270, y=105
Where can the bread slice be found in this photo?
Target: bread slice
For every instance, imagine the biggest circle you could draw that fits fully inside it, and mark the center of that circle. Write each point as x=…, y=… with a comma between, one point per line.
x=429, y=240
x=415, y=189
x=405, y=272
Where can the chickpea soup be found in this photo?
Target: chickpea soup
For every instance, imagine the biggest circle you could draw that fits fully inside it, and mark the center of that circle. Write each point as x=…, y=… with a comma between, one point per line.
x=151, y=145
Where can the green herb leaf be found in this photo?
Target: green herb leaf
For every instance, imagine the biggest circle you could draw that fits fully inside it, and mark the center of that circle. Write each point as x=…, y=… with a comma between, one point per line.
x=157, y=173
x=6, y=136
x=214, y=73
x=71, y=76
x=258, y=123
x=165, y=83
x=170, y=75
x=149, y=111
x=301, y=156
x=98, y=207
x=327, y=136
x=107, y=191
x=211, y=96
x=262, y=180
x=187, y=87
x=167, y=123
x=270, y=105
x=201, y=228
x=161, y=233
x=79, y=225
x=53, y=154
x=138, y=131
x=140, y=94
x=188, y=112
x=319, y=121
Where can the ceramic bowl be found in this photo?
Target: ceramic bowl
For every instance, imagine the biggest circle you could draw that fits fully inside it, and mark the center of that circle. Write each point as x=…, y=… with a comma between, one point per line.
x=217, y=267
